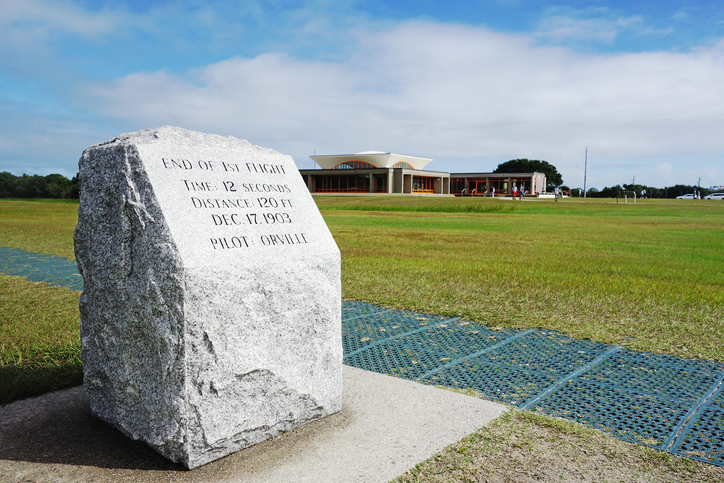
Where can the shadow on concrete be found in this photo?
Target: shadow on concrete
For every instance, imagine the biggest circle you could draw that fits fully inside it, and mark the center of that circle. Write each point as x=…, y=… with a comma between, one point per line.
x=21, y=382
x=58, y=428
x=386, y=426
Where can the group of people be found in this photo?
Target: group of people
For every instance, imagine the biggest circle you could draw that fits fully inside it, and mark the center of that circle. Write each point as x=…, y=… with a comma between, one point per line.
x=518, y=193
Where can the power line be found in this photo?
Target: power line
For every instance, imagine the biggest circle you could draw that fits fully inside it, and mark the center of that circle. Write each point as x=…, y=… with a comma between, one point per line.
x=585, y=168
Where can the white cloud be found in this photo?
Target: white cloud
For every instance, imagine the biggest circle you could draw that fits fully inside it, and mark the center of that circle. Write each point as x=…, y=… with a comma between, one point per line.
x=304, y=75
x=559, y=28
x=37, y=35
x=447, y=92
x=39, y=18
x=666, y=173
x=565, y=25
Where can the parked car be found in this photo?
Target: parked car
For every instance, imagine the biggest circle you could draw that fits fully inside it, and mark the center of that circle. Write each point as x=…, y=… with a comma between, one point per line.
x=690, y=196
x=715, y=196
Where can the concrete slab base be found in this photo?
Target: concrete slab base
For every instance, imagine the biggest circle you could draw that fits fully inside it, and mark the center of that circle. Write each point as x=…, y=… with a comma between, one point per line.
x=386, y=426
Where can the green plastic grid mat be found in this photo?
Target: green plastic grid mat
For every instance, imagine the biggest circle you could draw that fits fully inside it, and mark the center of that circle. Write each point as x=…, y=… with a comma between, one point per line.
x=38, y=267
x=665, y=402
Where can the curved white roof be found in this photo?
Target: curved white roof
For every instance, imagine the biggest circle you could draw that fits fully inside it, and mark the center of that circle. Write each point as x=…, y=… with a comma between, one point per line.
x=375, y=158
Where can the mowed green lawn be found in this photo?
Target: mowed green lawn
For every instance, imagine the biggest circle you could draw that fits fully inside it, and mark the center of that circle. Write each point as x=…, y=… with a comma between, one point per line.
x=39, y=324
x=647, y=276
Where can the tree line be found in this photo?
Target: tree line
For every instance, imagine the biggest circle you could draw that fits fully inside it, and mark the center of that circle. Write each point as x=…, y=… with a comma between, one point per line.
x=36, y=186
x=555, y=180
x=59, y=187
x=522, y=165
x=619, y=191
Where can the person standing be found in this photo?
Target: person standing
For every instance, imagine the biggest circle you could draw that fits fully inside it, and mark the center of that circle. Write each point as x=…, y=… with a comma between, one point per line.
x=557, y=193
x=515, y=192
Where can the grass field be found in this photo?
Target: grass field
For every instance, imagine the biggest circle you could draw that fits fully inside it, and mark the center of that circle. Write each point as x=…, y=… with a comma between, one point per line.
x=39, y=338
x=39, y=335
x=647, y=276
x=39, y=226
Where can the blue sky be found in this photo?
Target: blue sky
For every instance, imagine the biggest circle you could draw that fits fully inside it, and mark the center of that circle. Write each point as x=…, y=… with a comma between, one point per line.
x=468, y=83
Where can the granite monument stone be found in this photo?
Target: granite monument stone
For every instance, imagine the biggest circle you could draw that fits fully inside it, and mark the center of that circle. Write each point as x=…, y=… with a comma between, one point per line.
x=210, y=314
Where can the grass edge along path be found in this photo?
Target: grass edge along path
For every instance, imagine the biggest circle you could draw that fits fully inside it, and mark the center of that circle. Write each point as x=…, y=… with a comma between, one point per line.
x=521, y=446
x=40, y=343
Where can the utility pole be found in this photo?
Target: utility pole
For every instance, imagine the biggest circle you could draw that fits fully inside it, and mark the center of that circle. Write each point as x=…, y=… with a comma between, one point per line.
x=585, y=168
x=633, y=182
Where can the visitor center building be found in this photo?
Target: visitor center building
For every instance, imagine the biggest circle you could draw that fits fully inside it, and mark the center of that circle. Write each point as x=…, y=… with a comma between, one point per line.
x=377, y=172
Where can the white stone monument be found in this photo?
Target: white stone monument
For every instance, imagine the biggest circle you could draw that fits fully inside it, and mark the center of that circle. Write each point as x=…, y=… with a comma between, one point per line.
x=210, y=314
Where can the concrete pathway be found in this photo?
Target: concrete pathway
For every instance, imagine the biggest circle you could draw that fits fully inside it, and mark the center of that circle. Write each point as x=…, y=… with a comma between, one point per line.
x=387, y=425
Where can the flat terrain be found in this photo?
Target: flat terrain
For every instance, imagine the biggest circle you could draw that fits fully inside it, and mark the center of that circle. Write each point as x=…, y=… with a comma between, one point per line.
x=646, y=276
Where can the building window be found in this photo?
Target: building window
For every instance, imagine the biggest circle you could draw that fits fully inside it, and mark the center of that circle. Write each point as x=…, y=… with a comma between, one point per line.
x=457, y=185
x=355, y=165
x=469, y=186
x=381, y=183
x=500, y=185
x=342, y=184
x=423, y=184
x=403, y=164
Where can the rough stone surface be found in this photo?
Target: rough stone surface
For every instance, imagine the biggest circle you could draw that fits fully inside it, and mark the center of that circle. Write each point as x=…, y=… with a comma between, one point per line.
x=210, y=315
